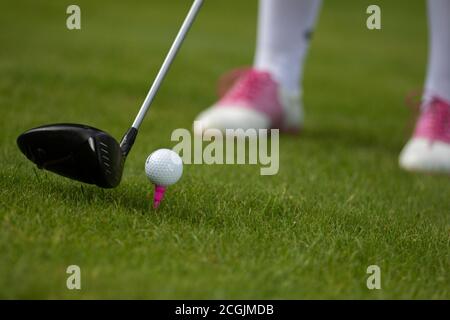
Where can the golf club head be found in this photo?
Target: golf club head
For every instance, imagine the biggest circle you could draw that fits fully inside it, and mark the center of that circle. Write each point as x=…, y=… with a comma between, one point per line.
x=75, y=151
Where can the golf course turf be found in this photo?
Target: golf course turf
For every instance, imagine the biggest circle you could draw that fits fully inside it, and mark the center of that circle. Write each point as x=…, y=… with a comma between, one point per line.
x=339, y=203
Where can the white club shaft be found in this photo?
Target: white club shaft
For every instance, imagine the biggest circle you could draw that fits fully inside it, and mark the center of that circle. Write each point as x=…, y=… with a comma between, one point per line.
x=167, y=62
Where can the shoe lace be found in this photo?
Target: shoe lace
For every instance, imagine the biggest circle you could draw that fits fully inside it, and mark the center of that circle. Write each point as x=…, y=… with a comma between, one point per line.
x=242, y=82
x=438, y=116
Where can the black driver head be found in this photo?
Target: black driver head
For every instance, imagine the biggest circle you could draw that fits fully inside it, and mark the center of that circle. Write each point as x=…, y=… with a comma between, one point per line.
x=75, y=151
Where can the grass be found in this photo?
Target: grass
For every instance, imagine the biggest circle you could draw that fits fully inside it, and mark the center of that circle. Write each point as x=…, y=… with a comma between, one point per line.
x=339, y=203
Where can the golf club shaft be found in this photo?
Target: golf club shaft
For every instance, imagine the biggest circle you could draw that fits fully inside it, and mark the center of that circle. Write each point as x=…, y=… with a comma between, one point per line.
x=167, y=62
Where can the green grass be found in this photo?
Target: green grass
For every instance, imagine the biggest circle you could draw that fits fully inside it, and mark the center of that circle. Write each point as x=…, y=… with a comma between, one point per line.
x=339, y=203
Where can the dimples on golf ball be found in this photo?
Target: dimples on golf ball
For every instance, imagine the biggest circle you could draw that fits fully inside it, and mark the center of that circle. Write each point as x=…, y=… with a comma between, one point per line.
x=164, y=167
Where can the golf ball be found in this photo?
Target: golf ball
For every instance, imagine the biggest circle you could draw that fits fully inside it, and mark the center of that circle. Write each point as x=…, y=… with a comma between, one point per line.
x=164, y=167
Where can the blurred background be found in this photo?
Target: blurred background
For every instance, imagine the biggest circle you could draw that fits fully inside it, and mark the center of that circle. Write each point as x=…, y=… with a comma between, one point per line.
x=338, y=204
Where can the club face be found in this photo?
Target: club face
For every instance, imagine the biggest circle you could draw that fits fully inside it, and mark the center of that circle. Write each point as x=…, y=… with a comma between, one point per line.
x=75, y=151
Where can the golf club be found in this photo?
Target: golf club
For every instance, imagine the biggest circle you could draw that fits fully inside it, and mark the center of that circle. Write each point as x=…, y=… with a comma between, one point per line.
x=87, y=154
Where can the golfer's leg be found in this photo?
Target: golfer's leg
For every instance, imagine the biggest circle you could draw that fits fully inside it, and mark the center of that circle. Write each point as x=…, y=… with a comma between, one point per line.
x=284, y=31
x=268, y=96
x=438, y=76
x=429, y=148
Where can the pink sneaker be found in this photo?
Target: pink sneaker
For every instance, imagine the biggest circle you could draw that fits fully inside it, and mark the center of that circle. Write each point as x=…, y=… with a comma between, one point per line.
x=255, y=101
x=429, y=148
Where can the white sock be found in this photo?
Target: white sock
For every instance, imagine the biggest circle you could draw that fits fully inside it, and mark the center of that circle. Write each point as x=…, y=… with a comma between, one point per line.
x=284, y=31
x=438, y=77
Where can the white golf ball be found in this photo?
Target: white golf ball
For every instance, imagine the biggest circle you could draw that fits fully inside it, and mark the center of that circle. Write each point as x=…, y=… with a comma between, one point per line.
x=164, y=167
